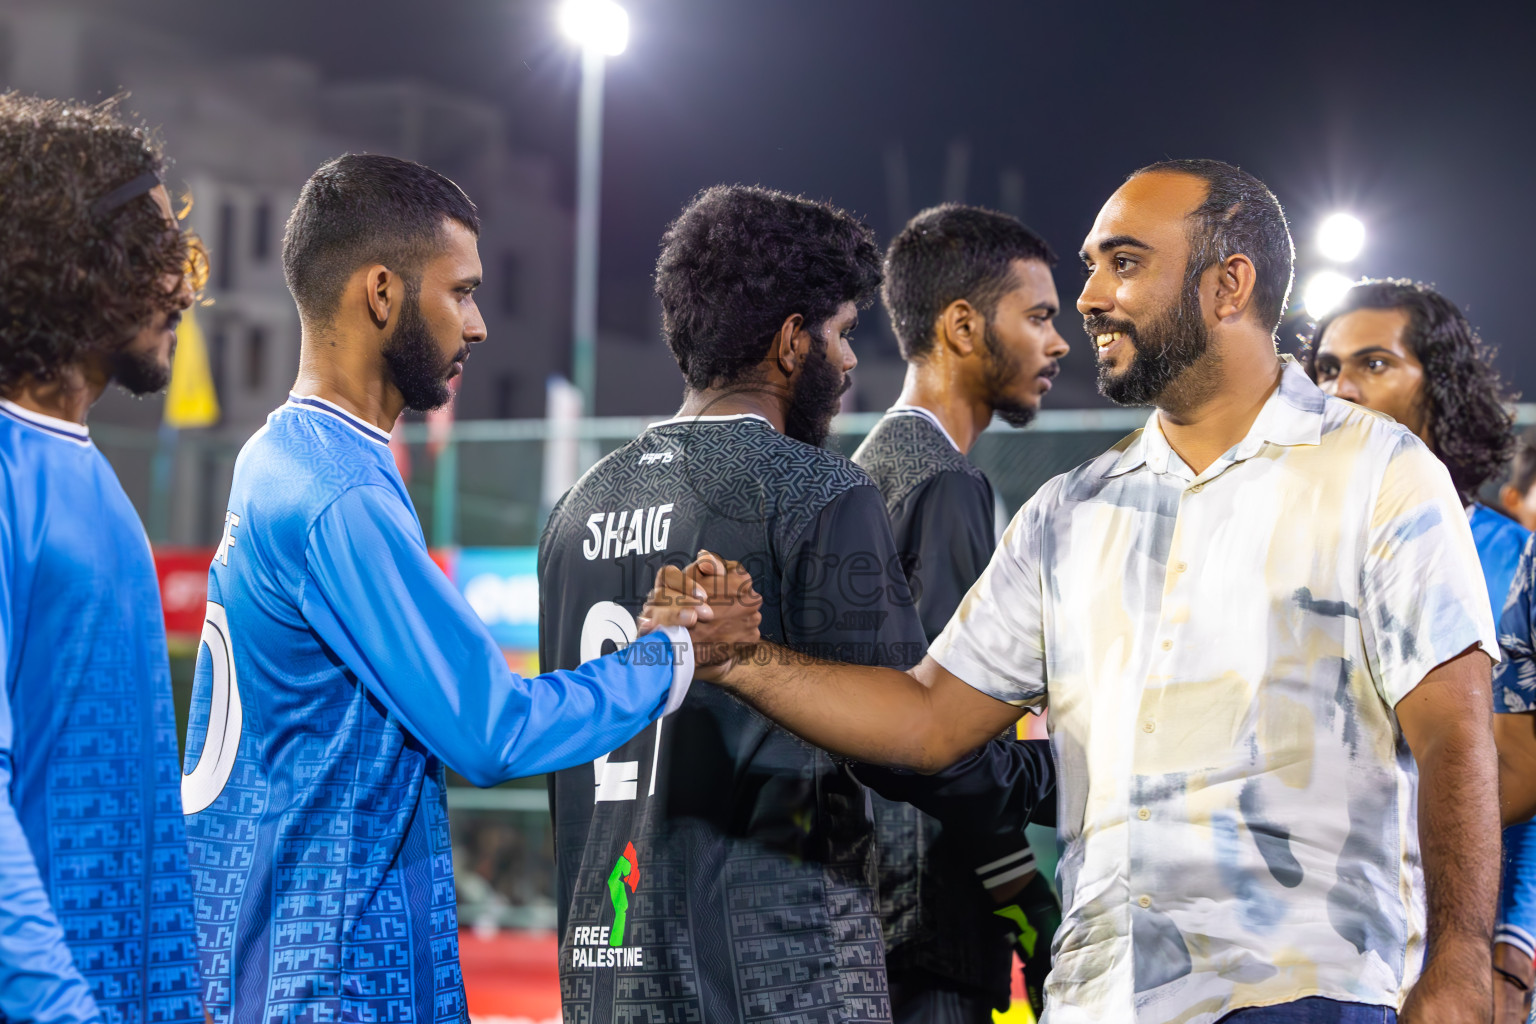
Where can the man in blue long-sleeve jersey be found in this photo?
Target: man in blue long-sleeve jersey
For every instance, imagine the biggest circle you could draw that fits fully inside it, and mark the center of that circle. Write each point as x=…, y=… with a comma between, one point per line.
x=340, y=670
x=95, y=896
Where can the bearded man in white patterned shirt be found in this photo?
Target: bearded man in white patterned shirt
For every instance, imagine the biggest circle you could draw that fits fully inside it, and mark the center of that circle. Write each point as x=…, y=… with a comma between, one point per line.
x=1262, y=632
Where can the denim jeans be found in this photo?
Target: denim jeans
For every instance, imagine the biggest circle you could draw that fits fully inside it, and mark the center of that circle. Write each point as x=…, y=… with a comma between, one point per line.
x=1313, y=1010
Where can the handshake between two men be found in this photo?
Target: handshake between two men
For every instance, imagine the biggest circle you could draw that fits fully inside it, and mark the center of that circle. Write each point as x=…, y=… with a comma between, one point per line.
x=924, y=719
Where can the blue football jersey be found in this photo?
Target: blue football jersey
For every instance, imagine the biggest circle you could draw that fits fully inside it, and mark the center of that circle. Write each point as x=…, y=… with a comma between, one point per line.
x=1503, y=547
x=1499, y=541
x=340, y=670
x=95, y=896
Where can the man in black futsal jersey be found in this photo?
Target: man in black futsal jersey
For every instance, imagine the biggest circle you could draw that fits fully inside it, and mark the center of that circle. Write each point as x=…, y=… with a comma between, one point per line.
x=716, y=868
x=970, y=295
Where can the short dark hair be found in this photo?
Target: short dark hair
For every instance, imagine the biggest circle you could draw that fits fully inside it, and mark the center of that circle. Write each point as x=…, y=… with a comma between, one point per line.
x=1470, y=427
x=359, y=209
x=75, y=283
x=1522, y=474
x=740, y=260
x=947, y=253
x=1239, y=215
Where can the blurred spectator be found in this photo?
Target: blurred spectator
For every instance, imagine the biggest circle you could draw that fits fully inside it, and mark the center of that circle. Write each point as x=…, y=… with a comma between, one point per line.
x=1516, y=495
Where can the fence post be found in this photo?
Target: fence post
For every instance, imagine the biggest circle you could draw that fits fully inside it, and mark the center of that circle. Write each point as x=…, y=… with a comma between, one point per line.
x=162, y=472
x=445, y=495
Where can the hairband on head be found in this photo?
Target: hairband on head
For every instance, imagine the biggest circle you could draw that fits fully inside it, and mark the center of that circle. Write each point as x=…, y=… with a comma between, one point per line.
x=124, y=193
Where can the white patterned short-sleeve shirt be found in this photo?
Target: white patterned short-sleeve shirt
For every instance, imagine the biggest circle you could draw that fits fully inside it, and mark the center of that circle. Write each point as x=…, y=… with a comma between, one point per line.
x=1221, y=653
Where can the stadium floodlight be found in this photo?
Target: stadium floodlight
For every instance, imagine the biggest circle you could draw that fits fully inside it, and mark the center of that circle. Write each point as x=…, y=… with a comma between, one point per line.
x=1325, y=290
x=598, y=25
x=1340, y=237
x=601, y=29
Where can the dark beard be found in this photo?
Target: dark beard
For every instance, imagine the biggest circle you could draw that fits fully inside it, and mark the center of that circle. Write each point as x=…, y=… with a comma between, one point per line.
x=416, y=367
x=140, y=373
x=998, y=374
x=814, y=398
x=1176, y=339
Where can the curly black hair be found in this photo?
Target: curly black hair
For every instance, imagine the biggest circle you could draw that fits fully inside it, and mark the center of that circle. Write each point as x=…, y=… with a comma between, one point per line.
x=1471, y=427
x=947, y=253
x=740, y=260
x=74, y=284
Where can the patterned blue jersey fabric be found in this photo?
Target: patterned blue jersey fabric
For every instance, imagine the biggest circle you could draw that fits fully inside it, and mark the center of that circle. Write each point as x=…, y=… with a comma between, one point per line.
x=95, y=896
x=340, y=671
x=1514, y=679
x=1505, y=549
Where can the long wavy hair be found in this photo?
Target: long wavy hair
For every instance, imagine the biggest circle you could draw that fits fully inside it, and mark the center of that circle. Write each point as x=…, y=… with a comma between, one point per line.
x=1471, y=425
x=75, y=284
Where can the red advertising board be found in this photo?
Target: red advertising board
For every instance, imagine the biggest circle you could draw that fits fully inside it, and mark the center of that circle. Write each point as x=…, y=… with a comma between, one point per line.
x=183, y=574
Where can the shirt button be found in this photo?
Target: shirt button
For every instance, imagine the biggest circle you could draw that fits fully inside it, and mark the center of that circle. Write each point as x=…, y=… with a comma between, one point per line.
x=1147, y=726
x=1167, y=645
x=1143, y=814
x=1197, y=488
x=1145, y=902
x=1180, y=566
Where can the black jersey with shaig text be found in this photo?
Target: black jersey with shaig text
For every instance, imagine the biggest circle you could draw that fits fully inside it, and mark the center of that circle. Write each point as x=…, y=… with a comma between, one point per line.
x=716, y=868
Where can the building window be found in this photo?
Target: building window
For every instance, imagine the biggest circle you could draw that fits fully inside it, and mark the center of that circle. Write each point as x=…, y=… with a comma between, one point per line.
x=218, y=349
x=255, y=359
x=224, y=253
x=511, y=283
x=261, y=232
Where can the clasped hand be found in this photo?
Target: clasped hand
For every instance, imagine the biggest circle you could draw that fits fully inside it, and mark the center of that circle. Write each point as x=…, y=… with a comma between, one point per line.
x=713, y=598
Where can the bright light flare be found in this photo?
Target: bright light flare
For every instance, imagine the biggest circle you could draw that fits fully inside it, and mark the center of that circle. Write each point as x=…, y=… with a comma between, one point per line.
x=1341, y=237
x=600, y=25
x=1324, y=291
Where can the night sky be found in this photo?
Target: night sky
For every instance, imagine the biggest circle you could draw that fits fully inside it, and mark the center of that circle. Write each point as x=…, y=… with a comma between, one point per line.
x=1421, y=120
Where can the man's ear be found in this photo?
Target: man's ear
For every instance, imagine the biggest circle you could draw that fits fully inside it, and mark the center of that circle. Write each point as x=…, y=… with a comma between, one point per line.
x=1509, y=498
x=791, y=344
x=961, y=327
x=1235, y=278
x=382, y=292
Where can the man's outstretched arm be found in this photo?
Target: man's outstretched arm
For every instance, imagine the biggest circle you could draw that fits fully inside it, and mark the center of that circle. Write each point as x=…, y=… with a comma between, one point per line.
x=377, y=599
x=925, y=718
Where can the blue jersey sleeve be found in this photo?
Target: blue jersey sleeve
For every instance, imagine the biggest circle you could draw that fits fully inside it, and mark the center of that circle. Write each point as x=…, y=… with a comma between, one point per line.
x=377, y=599
x=38, y=977
x=1517, y=896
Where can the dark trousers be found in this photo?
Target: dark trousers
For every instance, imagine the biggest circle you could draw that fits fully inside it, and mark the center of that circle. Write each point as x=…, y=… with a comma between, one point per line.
x=1313, y=1010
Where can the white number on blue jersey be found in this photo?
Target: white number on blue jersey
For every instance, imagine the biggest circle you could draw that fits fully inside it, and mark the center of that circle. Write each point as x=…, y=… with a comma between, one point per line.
x=222, y=740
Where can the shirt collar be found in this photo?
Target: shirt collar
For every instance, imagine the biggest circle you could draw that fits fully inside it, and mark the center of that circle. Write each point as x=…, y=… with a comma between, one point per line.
x=311, y=403
x=64, y=430
x=902, y=409
x=1293, y=415
x=735, y=417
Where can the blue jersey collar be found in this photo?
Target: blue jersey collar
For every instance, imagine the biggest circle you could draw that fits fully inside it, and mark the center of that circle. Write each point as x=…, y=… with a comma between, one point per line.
x=65, y=430
x=320, y=405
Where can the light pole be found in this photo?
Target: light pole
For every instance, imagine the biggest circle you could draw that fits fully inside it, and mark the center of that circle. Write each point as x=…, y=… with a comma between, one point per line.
x=601, y=29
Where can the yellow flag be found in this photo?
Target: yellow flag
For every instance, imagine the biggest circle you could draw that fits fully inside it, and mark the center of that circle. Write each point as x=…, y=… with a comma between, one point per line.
x=191, y=401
